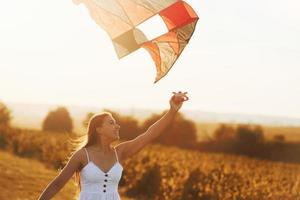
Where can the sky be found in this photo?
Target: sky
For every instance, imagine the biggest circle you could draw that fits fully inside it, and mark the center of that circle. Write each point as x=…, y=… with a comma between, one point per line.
x=244, y=57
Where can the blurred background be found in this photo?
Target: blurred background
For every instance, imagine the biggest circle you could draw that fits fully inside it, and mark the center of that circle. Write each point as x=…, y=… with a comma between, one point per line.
x=238, y=137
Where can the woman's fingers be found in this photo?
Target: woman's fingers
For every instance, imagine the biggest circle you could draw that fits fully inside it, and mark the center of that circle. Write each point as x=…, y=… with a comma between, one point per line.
x=185, y=98
x=180, y=96
x=179, y=92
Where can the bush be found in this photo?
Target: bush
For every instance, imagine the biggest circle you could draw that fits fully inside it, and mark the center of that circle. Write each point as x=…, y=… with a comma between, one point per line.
x=181, y=132
x=58, y=120
x=214, y=185
x=5, y=115
x=148, y=186
x=224, y=132
x=3, y=138
x=249, y=134
x=49, y=147
x=191, y=190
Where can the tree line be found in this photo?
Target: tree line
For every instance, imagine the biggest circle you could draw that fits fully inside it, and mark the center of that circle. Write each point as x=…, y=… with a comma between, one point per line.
x=244, y=139
x=182, y=132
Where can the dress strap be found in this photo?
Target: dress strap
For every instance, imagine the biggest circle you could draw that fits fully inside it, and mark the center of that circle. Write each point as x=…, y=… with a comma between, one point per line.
x=87, y=155
x=116, y=154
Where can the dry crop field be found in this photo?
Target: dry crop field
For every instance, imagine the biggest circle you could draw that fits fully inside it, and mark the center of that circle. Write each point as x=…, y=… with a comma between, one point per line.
x=156, y=172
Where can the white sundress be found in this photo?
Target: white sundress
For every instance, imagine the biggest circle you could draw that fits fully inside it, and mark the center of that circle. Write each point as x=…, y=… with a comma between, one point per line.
x=98, y=185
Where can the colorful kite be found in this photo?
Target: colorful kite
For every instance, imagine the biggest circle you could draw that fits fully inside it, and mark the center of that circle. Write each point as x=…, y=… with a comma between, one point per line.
x=119, y=19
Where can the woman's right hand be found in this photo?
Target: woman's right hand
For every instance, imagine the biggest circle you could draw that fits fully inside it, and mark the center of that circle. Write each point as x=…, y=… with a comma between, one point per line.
x=177, y=100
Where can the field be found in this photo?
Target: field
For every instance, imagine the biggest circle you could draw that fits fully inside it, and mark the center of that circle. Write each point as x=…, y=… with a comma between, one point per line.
x=24, y=179
x=184, y=174
x=159, y=172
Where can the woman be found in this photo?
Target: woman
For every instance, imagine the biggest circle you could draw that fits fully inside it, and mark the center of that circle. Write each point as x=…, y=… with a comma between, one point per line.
x=97, y=165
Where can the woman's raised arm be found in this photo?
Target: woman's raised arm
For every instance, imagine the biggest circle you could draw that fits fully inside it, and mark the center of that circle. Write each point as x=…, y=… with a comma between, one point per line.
x=133, y=146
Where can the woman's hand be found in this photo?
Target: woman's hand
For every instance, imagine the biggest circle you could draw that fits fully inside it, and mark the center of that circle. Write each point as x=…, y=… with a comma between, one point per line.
x=177, y=100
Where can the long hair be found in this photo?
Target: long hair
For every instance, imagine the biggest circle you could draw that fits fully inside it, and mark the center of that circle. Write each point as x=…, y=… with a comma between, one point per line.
x=87, y=140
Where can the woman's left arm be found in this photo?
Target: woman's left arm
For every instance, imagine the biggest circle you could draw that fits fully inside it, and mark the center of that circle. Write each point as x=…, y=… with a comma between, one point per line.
x=133, y=146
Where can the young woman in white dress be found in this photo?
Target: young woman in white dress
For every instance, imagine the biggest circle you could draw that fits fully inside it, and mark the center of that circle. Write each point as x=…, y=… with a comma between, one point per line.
x=97, y=165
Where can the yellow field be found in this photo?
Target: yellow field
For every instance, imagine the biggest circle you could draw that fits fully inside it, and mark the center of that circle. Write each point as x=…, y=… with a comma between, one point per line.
x=290, y=133
x=24, y=179
x=188, y=175
x=156, y=173
x=168, y=173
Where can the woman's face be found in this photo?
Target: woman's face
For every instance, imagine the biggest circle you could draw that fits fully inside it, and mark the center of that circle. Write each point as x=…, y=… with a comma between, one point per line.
x=109, y=128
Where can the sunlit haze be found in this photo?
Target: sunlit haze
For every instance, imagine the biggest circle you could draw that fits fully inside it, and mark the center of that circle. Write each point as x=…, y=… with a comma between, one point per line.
x=244, y=57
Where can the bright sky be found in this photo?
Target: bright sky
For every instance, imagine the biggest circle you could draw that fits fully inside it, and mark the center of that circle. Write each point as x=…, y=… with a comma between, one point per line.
x=244, y=57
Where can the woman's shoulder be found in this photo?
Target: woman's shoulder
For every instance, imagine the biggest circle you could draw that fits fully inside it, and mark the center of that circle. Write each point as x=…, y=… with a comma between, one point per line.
x=79, y=152
x=79, y=155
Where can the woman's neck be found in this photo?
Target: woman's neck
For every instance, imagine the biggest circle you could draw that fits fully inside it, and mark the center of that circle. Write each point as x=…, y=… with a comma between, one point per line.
x=98, y=148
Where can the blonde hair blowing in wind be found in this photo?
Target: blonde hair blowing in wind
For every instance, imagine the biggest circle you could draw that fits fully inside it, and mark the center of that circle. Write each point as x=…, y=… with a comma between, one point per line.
x=86, y=140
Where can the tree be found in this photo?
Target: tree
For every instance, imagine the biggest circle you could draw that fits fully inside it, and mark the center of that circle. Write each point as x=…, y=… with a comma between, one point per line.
x=58, y=120
x=181, y=132
x=249, y=134
x=224, y=132
x=5, y=115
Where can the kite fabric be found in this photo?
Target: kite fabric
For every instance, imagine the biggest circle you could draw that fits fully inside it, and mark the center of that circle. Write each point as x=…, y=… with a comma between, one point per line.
x=119, y=19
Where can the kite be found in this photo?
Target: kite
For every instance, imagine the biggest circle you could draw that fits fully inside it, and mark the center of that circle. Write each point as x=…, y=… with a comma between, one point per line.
x=119, y=19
